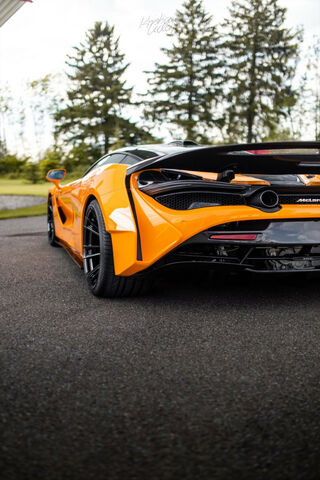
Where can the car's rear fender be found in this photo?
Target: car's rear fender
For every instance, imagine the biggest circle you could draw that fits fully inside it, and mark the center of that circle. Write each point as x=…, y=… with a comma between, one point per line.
x=109, y=189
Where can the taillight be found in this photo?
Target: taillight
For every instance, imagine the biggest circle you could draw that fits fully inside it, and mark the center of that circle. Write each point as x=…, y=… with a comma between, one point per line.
x=234, y=236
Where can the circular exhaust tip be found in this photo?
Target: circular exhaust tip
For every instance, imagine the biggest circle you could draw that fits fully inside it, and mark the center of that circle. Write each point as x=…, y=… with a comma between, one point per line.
x=269, y=199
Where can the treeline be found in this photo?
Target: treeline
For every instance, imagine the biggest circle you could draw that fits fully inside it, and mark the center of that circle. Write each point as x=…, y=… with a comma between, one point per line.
x=219, y=83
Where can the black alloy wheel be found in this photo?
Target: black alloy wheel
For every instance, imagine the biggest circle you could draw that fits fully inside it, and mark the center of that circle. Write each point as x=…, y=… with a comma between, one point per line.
x=50, y=221
x=91, y=246
x=98, y=259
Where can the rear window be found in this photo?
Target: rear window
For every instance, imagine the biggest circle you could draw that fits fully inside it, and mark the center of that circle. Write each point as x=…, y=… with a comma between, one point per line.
x=143, y=154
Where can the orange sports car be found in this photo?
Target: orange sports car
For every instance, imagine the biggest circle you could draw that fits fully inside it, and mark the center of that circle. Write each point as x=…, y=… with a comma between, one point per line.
x=142, y=208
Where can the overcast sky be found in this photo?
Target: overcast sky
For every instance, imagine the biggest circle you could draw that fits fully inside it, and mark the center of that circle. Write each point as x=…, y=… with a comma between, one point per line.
x=36, y=40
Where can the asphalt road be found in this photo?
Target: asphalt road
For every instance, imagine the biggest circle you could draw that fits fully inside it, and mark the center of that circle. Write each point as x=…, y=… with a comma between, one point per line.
x=201, y=379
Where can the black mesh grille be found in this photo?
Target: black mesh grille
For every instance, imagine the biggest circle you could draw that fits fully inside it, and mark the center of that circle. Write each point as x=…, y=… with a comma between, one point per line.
x=300, y=199
x=191, y=200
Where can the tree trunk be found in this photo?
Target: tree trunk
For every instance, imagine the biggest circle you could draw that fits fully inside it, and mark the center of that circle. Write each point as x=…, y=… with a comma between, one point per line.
x=250, y=126
x=190, y=128
x=106, y=144
x=252, y=96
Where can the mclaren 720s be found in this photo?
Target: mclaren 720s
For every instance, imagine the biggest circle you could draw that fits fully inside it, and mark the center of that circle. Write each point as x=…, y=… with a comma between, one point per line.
x=254, y=207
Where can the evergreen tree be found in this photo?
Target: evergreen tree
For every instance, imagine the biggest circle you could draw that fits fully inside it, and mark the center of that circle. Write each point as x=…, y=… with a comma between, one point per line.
x=313, y=75
x=80, y=157
x=52, y=158
x=184, y=89
x=299, y=113
x=261, y=57
x=128, y=134
x=98, y=94
x=31, y=173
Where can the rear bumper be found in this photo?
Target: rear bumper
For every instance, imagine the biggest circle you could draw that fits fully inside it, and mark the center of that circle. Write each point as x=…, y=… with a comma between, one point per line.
x=268, y=233
x=162, y=231
x=282, y=246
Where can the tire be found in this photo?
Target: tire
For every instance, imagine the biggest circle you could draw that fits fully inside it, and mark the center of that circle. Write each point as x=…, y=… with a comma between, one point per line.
x=98, y=259
x=52, y=239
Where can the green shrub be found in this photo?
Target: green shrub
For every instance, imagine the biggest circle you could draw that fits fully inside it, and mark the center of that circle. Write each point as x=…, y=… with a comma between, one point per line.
x=52, y=158
x=12, y=166
x=32, y=173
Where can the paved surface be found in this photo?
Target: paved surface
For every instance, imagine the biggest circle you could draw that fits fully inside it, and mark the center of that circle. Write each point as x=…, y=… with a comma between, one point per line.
x=10, y=202
x=199, y=380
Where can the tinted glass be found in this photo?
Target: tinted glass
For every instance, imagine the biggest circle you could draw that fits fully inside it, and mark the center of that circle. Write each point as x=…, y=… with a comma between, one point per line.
x=130, y=160
x=111, y=158
x=114, y=158
x=95, y=165
x=143, y=154
x=280, y=179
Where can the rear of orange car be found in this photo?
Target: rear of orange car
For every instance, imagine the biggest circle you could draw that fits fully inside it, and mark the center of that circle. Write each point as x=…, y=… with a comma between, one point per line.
x=221, y=207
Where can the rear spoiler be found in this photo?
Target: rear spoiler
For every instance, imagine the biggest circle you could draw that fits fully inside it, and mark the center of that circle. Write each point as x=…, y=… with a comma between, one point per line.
x=238, y=159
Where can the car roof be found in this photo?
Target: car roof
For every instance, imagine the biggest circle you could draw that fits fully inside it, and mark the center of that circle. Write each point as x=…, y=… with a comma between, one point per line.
x=159, y=149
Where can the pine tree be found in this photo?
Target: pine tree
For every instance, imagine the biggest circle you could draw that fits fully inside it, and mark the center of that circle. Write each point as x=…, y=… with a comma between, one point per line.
x=261, y=58
x=98, y=93
x=313, y=100
x=184, y=89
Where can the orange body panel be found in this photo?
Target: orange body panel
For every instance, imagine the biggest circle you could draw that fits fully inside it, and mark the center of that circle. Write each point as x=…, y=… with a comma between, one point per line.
x=310, y=180
x=161, y=229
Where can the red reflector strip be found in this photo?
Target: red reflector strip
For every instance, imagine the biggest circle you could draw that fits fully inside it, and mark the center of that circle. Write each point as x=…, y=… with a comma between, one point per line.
x=239, y=236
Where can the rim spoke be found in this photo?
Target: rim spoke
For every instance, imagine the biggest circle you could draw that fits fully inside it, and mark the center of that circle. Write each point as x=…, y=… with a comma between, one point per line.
x=93, y=273
x=50, y=220
x=91, y=230
x=91, y=244
x=91, y=255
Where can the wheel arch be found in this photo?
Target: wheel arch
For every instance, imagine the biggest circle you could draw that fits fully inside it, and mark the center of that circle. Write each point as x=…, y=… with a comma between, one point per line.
x=85, y=206
x=88, y=200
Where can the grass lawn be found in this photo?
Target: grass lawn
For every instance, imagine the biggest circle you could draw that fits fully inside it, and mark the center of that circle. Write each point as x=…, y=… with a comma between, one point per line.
x=24, y=212
x=20, y=187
